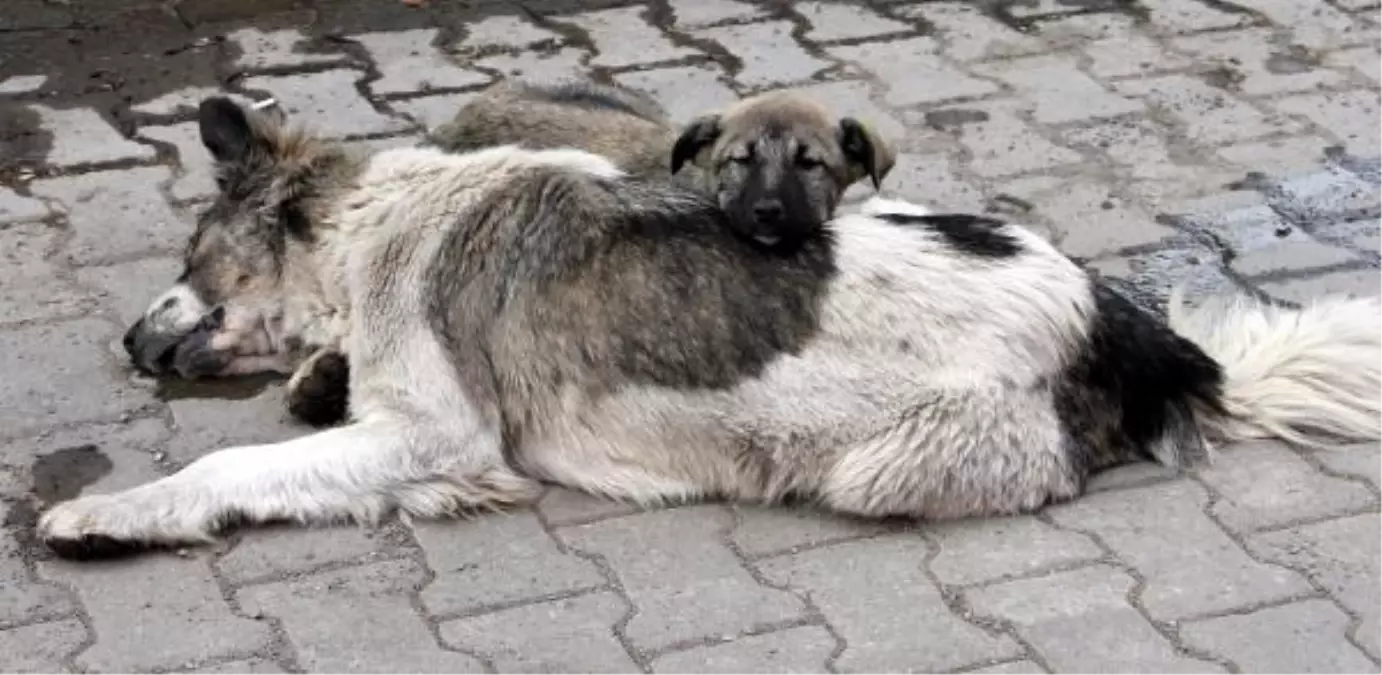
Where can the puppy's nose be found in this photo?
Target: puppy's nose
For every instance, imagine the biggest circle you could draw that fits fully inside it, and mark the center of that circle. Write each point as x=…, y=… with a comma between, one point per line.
x=768, y=211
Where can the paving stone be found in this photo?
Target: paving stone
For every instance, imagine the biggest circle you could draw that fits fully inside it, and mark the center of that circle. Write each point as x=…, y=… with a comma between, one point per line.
x=973, y=552
x=1263, y=484
x=1364, y=60
x=1316, y=25
x=1341, y=556
x=1003, y=145
x=561, y=507
x=1358, y=283
x=830, y=21
x=1056, y=91
x=196, y=176
x=686, y=584
x=266, y=552
x=970, y=35
x=1090, y=221
x=768, y=52
x=1128, y=475
x=771, y=530
x=1349, y=115
x=58, y=374
x=1304, y=637
x=494, y=560
x=232, y=412
x=1360, y=460
x=1014, y=667
x=1289, y=255
x=1210, y=116
x=384, y=634
x=1277, y=156
x=624, y=38
x=795, y=650
x=1186, y=16
x=1138, y=146
x=913, y=71
x=1258, y=64
x=115, y=213
x=408, y=62
x=930, y=179
x=572, y=635
x=82, y=136
x=885, y=609
x=702, y=13
x=108, y=457
x=1081, y=621
x=433, y=111
x=1191, y=567
x=1128, y=52
x=328, y=102
x=261, y=50
x=40, y=648
x=158, y=611
x=30, y=288
x=551, y=66
x=23, y=600
x=504, y=30
x=130, y=287
x=15, y=207
x=1325, y=196
x=248, y=667
x=684, y=92
x=1072, y=31
x=22, y=84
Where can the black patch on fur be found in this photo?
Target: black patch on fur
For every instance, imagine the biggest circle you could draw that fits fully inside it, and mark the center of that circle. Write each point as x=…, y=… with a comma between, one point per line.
x=97, y=547
x=974, y=235
x=1134, y=384
x=854, y=143
x=322, y=397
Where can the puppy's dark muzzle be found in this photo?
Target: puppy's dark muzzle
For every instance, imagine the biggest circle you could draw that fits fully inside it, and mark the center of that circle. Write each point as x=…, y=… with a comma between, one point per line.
x=151, y=353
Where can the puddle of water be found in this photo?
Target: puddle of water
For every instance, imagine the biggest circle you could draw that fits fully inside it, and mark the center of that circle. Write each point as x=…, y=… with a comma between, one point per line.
x=225, y=389
x=62, y=475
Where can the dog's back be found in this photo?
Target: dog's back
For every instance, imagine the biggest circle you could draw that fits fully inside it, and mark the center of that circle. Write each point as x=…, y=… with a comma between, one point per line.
x=619, y=123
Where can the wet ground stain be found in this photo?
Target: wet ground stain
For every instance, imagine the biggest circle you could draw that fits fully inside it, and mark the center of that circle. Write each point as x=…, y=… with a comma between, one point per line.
x=238, y=388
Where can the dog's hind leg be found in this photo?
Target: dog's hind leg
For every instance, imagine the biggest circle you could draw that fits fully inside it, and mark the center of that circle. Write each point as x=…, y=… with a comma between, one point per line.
x=355, y=473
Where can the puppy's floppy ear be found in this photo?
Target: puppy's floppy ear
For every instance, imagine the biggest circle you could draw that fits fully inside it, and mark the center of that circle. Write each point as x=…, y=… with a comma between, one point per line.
x=699, y=133
x=867, y=153
x=225, y=129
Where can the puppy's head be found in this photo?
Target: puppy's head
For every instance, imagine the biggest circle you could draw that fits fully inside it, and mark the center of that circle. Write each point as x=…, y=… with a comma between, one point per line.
x=778, y=163
x=244, y=266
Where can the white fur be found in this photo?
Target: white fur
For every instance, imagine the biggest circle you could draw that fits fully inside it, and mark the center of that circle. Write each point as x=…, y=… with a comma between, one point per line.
x=925, y=392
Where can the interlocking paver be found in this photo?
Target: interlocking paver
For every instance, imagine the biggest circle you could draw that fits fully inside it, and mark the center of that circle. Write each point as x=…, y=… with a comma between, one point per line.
x=1339, y=555
x=1169, y=142
x=1081, y=621
x=571, y=635
x=1306, y=637
x=768, y=53
x=1191, y=567
x=880, y=602
x=795, y=650
x=496, y=560
x=384, y=633
x=685, y=582
x=978, y=552
x=158, y=612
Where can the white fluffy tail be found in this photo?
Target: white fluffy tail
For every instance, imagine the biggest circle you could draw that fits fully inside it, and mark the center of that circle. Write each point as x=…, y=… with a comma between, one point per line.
x=1300, y=375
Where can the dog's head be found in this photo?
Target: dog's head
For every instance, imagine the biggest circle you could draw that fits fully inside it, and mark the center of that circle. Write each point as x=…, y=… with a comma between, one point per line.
x=778, y=163
x=239, y=304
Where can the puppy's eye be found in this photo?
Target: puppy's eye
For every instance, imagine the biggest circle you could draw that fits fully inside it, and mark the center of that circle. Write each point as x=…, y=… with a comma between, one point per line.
x=807, y=162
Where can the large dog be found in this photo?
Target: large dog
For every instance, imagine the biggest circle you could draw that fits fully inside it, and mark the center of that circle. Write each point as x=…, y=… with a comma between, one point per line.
x=515, y=316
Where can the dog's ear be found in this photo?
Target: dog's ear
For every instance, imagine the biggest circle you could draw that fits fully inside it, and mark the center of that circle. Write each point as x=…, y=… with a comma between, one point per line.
x=699, y=133
x=225, y=129
x=867, y=153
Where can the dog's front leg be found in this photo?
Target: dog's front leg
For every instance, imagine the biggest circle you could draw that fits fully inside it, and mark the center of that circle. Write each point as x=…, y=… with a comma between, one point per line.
x=357, y=473
x=319, y=391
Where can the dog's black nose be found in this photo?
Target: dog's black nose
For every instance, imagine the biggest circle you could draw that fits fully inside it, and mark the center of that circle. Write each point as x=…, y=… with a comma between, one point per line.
x=768, y=211
x=130, y=334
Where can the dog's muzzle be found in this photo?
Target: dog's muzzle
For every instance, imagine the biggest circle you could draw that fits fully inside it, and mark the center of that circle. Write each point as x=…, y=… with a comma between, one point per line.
x=158, y=353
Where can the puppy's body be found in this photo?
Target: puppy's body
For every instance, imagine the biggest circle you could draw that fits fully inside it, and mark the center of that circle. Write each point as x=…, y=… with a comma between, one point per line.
x=615, y=336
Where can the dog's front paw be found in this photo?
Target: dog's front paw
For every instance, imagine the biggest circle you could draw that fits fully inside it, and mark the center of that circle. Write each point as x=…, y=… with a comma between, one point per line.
x=107, y=526
x=319, y=393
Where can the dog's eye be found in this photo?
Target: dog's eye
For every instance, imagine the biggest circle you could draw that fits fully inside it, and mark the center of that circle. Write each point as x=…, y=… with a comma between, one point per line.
x=807, y=162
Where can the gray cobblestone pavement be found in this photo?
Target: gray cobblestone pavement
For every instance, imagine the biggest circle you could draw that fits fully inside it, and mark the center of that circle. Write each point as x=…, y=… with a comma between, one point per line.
x=1233, y=145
